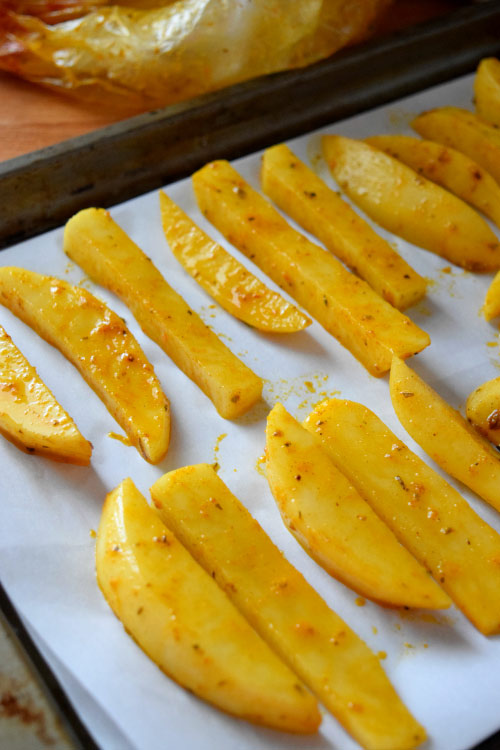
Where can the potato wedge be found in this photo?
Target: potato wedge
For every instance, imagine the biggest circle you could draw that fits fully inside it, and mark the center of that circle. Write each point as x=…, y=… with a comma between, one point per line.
x=447, y=167
x=491, y=304
x=310, y=202
x=97, y=342
x=278, y=602
x=186, y=624
x=444, y=434
x=94, y=241
x=410, y=206
x=483, y=410
x=426, y=514
x=335, y=525
x=487, y=90
x=345, y=305
x=30, y=416
x=463, y=131
x=230, y=284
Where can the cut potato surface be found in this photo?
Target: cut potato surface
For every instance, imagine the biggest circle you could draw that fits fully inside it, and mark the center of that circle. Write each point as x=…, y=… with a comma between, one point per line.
x=487, y=90
x=319, y=210
x=287, y=612
x=230, y=284
x=427, y=515
x=370, y=328
x=186, y=624
x=491, y=305
x=94, y=241
x=410, y=206
x=97, y=342
x=444, y=434
x=335, y=525
x=447, y=167
x=30, y=416
x=483, y=410
x=463, y=131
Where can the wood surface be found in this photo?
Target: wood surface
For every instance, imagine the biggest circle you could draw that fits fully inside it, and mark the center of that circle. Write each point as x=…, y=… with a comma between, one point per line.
x=32, y=117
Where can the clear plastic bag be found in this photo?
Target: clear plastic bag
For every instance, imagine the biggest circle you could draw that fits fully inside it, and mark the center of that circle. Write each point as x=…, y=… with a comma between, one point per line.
x=151, y=55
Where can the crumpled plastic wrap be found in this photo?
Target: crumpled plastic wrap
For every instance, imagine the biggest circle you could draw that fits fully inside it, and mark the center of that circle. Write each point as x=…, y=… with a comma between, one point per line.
x=154, y=54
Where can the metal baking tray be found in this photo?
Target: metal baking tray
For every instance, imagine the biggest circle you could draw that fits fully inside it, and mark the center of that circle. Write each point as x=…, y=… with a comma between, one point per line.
x=41, y=190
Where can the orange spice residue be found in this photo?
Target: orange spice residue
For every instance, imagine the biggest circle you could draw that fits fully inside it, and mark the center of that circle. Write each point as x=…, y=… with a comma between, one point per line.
x=121, y=438
x=260, y=465
x=219, y=440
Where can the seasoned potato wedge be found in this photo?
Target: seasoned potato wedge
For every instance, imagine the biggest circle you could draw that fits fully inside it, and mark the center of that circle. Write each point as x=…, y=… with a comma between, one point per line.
x=230, y=284
x=483, y=410
x=186, y=624
x=310, y=202
x=335, y=525
x=287, y=612
x=463, y=131
x=425, y=513
x=447, y=167
x=345, y=305
x=491, y=305
x=412, y=207
x=97, y=342
x=94, y=241
x=487, y=90
x=30, y=416
x=444, y=434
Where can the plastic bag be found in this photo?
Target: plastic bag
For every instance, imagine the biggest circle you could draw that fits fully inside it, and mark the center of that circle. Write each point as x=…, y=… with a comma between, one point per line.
x=145, y=57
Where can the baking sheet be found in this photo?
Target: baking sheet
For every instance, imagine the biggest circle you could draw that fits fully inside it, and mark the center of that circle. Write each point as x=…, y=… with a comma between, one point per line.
x=444, y=669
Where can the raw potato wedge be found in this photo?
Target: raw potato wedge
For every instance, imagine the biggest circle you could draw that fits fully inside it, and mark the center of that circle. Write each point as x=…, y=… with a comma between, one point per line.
x=447, y=167
x=345, y=305
x=463, y=131
x=410, y=206
x=319, y=210
x=487, y=90
x=287, y=612
x=97, y=342
x=30, y=416
x=427, y=515
x=230, y=284
x=335, y=525
x=186, y=624
x=483, y=410
x=444, y=434
x=94, y=241
x=491, y=305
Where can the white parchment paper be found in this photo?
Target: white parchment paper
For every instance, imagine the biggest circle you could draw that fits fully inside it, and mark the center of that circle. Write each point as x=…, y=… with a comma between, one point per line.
x=446, y=672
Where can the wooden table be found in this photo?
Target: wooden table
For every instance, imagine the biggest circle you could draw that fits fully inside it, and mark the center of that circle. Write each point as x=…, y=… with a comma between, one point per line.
x=32, y=117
